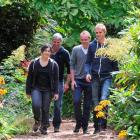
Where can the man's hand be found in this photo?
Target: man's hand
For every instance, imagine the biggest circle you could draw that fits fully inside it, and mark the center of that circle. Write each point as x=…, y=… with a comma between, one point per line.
x=56, y=96
x=73, y=85
x=66, y=87
x=88, y=78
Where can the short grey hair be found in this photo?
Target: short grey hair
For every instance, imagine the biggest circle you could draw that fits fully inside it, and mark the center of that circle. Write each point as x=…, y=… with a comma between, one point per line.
x=58, y=36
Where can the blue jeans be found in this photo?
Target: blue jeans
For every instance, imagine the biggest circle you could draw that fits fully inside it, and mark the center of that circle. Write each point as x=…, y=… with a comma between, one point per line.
x=58, y=106
x=40, y=105
x=100, y=91
x=85, y=89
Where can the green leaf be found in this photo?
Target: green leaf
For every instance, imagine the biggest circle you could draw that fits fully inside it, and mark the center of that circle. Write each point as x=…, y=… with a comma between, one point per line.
x=74, y=12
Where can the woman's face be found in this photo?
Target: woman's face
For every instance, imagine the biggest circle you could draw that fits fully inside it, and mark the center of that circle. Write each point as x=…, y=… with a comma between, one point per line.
x=46, y=53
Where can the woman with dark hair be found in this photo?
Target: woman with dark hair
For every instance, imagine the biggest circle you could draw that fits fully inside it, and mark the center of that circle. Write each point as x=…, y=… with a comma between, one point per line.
x=41, y=85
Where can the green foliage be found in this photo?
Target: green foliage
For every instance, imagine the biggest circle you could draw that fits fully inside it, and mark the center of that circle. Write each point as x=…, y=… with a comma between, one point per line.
x=124, y=112
x=40, y=38
x=135, y=36
x=16, y=111
x=67, y=108
x=18, y=22
x=74, y=16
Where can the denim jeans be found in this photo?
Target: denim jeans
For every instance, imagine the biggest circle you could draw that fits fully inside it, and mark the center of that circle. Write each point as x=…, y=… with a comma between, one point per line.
x=58, y=106
x=100, y=91
x=82, y=89
x=40, y=105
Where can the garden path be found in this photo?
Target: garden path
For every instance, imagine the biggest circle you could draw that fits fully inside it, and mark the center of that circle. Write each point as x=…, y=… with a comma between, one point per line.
x=66, y=133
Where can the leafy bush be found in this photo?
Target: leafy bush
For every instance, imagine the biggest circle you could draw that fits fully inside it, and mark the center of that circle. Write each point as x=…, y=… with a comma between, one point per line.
x=17, y=111
x=124, y=112
x=18, y=22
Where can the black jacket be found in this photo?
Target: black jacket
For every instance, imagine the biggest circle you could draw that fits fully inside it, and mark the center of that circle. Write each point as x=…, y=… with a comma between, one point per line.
x=62, y=57
x=32, y=73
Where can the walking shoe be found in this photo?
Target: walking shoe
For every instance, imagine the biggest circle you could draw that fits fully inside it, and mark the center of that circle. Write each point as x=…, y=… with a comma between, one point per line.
x=56, y=129
x=76, y=130
x=96, y=131
x=103, y=127
x=44, y=132
x=85, y=131
x=43, y=129
x=36, y=126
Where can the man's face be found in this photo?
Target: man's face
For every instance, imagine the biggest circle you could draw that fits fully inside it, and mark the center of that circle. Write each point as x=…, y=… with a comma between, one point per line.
x=100, y=34
x=85, y=39
x=56, y=43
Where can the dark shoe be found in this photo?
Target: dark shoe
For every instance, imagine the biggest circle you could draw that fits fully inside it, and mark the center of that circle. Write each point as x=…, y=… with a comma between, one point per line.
x=76, y=130
x=85, y=131
x=36, y=126
x=44, y=132
x=103, y=127
x=43, y=129
x=56, y=130
x=96, y=131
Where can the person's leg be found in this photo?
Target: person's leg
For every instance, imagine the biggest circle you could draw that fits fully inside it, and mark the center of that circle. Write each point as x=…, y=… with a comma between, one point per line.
x=95, y=102
x=36, y=107
x=58, y=108
x=86, y=106
x=77, y=93
x=105, y=91
x=106, y=84
x=46, y=99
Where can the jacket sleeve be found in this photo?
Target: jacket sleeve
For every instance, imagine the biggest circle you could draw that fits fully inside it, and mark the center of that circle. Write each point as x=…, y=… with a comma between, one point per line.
x=73, y=59
x=115, y=66
x=29, y=79
x=67, y=61
x=88, y=63
x=56, y=78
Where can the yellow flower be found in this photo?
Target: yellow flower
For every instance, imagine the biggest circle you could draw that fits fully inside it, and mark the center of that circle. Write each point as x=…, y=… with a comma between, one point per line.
x=122, y=134
x=3, y=91
x=100, y=114
x=104, y=103
x=25, y=74
x=2, y=81
x=98, y=108
x=132, y=88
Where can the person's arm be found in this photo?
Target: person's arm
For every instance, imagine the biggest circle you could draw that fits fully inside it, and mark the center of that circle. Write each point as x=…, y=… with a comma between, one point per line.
x=29, y=79
x=56, y=81
x=72, y=69
x=67, y=63
x=88, y=64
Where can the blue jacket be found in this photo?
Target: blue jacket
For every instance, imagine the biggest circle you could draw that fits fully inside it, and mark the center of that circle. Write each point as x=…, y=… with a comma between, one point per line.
x=99, y=66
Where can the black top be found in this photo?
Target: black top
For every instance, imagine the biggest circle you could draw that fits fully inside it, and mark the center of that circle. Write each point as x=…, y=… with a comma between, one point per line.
x=62, y=57
x=42, y=77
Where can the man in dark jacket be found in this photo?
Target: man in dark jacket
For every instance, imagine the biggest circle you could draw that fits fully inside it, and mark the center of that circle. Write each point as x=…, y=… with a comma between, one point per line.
x=62, y=57
x=98, y=71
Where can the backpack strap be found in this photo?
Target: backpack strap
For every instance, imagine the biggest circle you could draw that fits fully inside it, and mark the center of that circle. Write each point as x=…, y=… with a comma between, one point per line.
x=34, y=61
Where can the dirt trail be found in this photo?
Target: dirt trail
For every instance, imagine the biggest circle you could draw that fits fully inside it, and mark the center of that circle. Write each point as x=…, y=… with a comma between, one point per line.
x=66, y=133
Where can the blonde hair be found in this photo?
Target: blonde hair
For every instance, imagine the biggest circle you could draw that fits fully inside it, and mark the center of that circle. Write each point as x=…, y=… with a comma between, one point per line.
x=101, y=26
x=85, y=33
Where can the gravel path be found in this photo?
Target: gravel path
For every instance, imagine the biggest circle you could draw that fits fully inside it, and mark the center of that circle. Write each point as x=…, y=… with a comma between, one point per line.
x=66, y=133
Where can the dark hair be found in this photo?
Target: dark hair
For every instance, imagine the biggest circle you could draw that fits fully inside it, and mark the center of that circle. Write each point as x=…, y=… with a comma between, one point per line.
x=44, y=47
